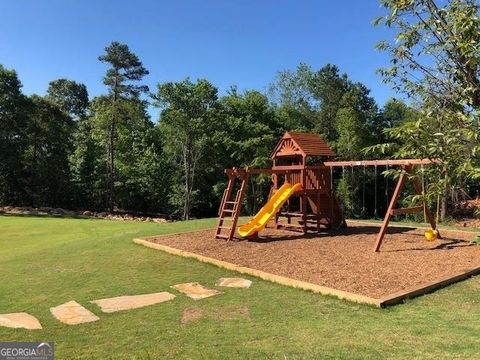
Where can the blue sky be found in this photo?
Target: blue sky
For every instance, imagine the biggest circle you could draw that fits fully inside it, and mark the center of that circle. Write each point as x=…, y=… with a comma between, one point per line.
x=242, y=42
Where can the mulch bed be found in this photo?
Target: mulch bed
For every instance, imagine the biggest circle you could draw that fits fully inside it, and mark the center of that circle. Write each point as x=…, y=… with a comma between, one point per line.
x=343, y=259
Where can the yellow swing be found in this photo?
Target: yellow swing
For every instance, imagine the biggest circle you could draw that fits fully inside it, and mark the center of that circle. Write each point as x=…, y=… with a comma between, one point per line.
x=431, y=234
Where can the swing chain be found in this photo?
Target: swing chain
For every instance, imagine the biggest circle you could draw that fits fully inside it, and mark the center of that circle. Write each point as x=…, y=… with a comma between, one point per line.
x=363, y=191
x=386, y=185
x=375, y=212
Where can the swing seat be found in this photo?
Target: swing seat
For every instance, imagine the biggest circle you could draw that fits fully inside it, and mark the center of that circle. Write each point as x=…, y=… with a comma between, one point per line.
x=431, y=235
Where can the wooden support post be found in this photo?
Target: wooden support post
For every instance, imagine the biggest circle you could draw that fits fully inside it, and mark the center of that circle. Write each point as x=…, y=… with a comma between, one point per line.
x=332, y=196
x=428, y=213
x=386, y=220
x=304, y=211
x=317, y=210
x=409, y=210
x=303, y=200
x=407, y=169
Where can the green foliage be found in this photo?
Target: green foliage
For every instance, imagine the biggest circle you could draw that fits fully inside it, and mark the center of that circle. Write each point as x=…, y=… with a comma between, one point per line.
x=245, y=137
x=47, y=153
x=87, y=168
x=330, y=104
x=396, y=112
x=187, y=121
x=125, y=70
x=435, y=61
x=476, y=240
x=69, y=96
x=248, y=130
x=140, y=175
x=355, y=122
x=328, y=87
x=176, y=165
x=63, y=150
x=292, y=88
x=309, y=100
x=345, y=195
x=350, y=129
x=14, y=110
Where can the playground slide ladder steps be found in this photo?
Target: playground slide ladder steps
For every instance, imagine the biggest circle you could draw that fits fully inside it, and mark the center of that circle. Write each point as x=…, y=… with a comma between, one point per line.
x=230, y=209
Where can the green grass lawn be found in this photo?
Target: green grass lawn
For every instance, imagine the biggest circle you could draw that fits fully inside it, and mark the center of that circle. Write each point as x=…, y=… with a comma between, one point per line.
x=47, y=261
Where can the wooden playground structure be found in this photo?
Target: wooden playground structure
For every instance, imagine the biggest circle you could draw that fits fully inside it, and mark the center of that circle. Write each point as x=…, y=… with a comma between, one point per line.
x=304, y=158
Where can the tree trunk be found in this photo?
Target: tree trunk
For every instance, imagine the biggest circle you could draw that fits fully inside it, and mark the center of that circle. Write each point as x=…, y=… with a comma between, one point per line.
x=186, y=205
x=34, y=168
x=187, y=161
x=111, y=152
x=111, y=166
x=444, y=199
x=443, y=207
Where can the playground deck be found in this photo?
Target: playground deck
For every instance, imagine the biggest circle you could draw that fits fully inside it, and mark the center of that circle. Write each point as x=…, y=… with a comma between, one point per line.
x=343, y=259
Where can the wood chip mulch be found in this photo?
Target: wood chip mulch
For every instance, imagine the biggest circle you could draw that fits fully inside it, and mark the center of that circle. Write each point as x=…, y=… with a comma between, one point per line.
x=343, y=259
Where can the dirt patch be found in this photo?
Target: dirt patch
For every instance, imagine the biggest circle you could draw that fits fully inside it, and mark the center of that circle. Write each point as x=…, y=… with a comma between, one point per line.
x=231, y=312
x=221, y=314
x=191, y=315
x=343, y=259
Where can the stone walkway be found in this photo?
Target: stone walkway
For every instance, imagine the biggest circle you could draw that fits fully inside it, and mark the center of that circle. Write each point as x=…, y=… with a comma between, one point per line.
x=234, y=282
x=132, y=302
x=20, y=320
x=72, y=313
x=195, y=291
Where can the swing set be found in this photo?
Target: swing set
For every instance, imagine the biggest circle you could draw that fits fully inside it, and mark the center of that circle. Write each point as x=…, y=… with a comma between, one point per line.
x=407, y=174
x=302, y=196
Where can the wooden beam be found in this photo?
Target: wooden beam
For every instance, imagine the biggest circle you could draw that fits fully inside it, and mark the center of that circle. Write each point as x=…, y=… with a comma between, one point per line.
x=276, y=170
x=379, y=162
x=386, y=220
x=428, y=287
x=408, y=210
x=288, y=167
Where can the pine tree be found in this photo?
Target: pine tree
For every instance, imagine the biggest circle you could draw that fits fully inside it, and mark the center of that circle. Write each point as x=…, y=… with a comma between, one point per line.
x=125, y=69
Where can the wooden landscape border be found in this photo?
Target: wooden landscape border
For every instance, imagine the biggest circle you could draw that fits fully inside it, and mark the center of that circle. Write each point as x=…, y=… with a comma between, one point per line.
x=392, y=299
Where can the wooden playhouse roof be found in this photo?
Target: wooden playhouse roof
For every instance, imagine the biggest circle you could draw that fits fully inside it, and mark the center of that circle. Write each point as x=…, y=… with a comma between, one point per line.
x=304, y=144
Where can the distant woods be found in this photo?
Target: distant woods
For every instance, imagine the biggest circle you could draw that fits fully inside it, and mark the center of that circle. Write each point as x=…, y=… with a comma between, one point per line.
x=67, y=150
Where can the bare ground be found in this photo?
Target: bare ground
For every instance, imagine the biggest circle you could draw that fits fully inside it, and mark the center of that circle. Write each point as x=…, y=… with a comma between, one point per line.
x=343, y=259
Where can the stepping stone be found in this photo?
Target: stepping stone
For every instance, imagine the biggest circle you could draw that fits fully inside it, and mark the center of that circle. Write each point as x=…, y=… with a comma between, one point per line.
x=72, y=313
x=120, y=303
x=20, y=320
x=195, y=291
x=234, y=283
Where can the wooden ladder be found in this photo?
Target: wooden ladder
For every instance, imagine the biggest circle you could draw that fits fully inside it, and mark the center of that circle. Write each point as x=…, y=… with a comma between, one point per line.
x=229, y=209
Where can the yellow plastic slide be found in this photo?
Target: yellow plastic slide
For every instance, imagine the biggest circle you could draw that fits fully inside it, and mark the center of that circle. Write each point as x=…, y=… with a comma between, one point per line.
x=273, y=205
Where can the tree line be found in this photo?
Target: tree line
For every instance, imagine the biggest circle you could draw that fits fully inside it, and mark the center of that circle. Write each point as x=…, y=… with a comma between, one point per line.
x=66, y=150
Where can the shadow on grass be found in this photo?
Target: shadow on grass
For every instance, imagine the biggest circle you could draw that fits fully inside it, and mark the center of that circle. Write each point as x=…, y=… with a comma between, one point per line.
x=54, y=216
